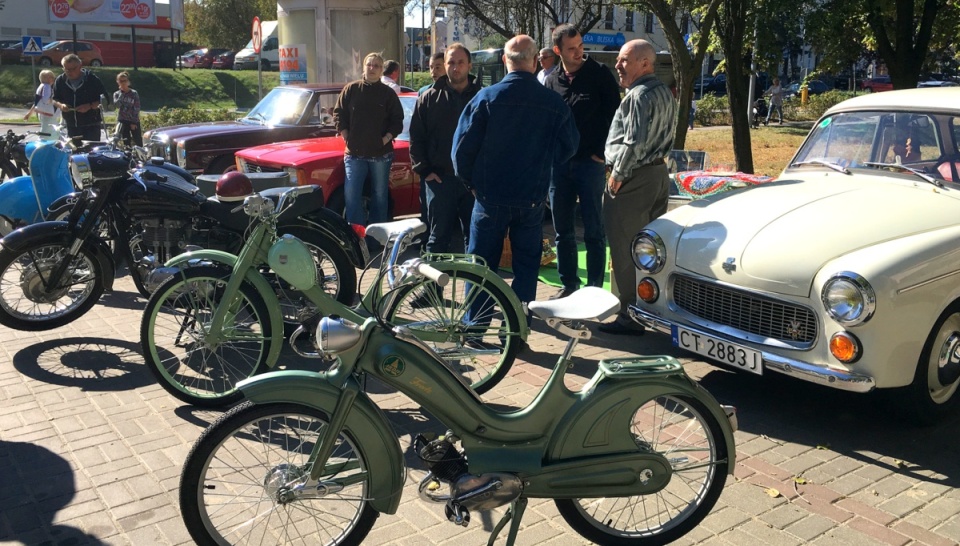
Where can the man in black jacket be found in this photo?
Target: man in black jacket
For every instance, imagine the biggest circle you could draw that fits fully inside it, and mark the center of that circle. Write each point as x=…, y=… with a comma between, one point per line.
x=593, y=95
x=77, y=94
x=431, y=139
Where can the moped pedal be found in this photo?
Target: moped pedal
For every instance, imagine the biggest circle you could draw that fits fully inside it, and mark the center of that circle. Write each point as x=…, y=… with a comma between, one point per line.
x=457, y=514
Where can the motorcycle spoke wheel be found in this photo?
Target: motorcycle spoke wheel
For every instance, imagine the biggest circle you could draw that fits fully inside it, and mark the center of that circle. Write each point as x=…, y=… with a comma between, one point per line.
x=241, y=481
x=28, y=301
x=684, y=431
x=470, y=323
x=174, y=337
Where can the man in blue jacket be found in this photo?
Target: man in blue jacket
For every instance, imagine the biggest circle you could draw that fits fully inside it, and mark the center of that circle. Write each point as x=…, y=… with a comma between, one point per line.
x=508, y=140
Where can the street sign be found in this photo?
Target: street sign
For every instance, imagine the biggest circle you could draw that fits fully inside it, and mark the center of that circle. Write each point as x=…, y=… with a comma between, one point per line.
x=256, y=35
x=32, y=45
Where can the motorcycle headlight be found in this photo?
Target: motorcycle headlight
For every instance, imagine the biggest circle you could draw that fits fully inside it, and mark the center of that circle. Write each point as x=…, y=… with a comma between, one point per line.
x=160, y=142
x=181, y=154
x=80, y=170
x=848, y=298
x=649, y=252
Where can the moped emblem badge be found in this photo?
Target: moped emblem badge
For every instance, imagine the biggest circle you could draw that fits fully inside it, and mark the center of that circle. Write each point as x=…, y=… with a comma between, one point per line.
x=730, y=265
x=393, y=366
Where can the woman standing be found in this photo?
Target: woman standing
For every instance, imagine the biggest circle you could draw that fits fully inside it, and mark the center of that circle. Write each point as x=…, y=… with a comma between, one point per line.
x=43, y=103
x=368, y=115
x=128, y=111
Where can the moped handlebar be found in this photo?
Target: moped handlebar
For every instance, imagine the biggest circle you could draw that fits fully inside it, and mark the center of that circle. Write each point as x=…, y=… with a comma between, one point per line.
x=424, y=269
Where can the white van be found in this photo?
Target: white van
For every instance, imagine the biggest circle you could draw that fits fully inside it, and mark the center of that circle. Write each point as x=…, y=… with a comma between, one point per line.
x=269, y=50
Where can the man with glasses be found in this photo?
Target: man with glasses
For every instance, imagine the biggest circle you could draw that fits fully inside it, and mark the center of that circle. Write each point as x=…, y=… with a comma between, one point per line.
x=548, y=61
x=77, y=93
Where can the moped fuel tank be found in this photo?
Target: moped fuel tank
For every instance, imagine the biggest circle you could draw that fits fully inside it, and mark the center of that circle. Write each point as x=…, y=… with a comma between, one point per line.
x=292, y=260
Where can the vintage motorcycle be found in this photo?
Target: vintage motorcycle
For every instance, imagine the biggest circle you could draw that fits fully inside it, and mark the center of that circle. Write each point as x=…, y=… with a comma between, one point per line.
x=638, y=456
x=12, y=155
x=214, y=323
x=51, y=273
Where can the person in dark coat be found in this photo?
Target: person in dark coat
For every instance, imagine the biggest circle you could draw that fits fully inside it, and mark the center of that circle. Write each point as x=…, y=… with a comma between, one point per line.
x=77, y=93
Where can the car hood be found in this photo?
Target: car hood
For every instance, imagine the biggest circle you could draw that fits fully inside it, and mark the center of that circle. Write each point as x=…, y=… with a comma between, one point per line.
x=181, y=132
x=300, y=152
x=776, y=237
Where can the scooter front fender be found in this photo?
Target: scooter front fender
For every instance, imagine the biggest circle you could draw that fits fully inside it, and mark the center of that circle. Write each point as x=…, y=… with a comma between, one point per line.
x=45, y=233
x=366, y=425
x=256, y=279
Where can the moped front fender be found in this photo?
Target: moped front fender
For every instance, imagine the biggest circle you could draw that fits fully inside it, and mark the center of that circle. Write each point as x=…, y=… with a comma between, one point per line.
x=45, y=233
x=18, y=200
x=366, y=424
x=256, y=279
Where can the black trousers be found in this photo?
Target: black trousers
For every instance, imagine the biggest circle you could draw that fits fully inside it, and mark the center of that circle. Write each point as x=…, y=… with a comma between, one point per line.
x=129, y=134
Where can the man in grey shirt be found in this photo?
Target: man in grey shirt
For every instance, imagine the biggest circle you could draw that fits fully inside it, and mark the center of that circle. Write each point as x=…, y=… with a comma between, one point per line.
x=638, y=184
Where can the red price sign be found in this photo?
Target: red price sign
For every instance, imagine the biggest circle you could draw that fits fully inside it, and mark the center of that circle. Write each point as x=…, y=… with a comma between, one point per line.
x=256, y=35
x=143, y=10
x=128, y=8
x=61, y=8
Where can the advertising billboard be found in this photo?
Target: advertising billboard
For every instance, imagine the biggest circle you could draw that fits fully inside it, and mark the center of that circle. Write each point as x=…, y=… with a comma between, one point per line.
x=114, y=12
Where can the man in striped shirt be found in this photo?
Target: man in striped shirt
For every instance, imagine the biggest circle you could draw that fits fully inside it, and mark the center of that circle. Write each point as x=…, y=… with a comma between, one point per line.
x=638, y=184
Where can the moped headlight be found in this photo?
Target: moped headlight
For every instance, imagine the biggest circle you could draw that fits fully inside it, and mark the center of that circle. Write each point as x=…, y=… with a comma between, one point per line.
x=848, y=298
x=649, y=252
x=80, y=170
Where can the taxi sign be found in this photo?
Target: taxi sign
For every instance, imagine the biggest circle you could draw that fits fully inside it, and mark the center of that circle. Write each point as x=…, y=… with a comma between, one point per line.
x=32, y=45
x=256, y=35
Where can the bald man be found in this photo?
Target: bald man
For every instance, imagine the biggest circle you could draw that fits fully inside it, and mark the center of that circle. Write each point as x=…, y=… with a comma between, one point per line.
x=638, y=185
x=507, y=142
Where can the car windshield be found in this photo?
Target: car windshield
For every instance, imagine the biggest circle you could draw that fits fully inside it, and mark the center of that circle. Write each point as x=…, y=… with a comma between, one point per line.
x=408, y=103
x=51, y=45
x=282, y=106
x=919, y=140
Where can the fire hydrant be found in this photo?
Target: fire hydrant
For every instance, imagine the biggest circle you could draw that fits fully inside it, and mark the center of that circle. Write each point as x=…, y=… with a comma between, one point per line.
x=804, y=94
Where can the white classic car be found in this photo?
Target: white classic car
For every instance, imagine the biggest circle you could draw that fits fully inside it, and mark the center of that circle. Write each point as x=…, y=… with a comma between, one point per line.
x=845, y=271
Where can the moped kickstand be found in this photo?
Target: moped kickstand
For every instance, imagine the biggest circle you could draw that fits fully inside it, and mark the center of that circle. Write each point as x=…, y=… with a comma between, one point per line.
x=514, y=513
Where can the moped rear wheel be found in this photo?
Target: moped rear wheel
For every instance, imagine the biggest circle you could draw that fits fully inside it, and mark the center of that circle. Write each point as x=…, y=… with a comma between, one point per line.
x=30, y=302
x=240, y=483
x=470, y=323
x=174, y=337
x=683, y=430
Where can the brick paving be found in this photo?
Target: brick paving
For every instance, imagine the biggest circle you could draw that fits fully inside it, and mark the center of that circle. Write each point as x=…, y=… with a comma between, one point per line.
x=91, y=449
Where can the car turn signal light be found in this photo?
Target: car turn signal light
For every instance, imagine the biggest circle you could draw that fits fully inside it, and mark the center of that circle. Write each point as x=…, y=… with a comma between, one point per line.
x=845, y=347
x=648, y=291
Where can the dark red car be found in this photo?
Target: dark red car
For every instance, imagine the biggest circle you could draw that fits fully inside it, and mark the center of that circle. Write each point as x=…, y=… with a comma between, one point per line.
x=206, y=56
x=876, y=84
x=224, y=60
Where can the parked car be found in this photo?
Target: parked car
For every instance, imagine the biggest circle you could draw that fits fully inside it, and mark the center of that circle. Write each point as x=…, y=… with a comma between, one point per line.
x=224, y=60
x=842, y=272
x=53, y=52
x=206, y=56
x=699, y=85
x=188, y=59
x=814, y=87
x=937, y=83
x=876, y=84
x=320, y=161
x=288, y=112
x=717, y=86
x=11, y=54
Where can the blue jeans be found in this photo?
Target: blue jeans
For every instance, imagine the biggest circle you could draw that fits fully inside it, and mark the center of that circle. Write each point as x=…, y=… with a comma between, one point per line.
x=488, y=226
x=583, y=179
x=449, y=207
x=357, y=168
x=779, y=109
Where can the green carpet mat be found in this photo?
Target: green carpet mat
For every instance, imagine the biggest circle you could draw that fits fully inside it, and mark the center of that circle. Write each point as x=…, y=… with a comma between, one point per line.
x=550, y=276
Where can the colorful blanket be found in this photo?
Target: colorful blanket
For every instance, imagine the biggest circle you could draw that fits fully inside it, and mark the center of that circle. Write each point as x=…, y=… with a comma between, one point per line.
x=700, y=184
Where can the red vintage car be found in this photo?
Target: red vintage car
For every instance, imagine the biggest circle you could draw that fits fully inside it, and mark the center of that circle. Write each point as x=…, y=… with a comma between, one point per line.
x=320, y=161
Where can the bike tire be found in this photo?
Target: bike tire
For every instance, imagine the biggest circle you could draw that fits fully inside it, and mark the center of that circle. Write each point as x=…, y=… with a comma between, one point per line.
x=468, y=347
x=232, y=475
x=172, y=336
x=26, y=305
x=335, y=274
x=700, y=469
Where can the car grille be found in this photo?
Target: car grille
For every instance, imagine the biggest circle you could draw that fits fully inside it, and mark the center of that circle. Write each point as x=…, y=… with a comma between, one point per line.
x=254, y=168
x=745, y=311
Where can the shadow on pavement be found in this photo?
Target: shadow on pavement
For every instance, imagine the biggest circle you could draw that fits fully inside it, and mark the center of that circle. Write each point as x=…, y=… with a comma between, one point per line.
x=36, y=483
x=92, y=364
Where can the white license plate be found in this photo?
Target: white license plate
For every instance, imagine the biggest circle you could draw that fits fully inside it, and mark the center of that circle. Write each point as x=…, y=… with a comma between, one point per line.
x=716, y=349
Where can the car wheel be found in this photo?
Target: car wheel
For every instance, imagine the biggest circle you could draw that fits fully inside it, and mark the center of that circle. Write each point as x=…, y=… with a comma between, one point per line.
x=933, y=393
x=868, y=90
x=96, y=62
x=46, y=61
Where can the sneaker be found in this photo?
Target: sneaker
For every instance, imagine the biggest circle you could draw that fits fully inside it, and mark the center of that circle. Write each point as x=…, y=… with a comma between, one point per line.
x=564, y=292
x=622, y=328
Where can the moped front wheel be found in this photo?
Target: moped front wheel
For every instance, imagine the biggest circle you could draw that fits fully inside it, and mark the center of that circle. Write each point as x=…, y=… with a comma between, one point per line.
x=470, y=323
x=174, y=335
x=30, y=300
x=245, y=481
x=683, y=430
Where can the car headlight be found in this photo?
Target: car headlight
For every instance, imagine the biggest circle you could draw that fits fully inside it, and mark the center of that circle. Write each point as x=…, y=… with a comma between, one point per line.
x=649, y=253
x=848, y=298
x=181, y=154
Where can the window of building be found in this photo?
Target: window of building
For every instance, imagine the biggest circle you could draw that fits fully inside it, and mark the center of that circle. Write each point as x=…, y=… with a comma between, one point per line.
x=146, y=38
x=608, y=20
x=628, y=26
x=120, y=37
x=95, y=35
x=648, y=24
x=10, y=31
x=38, y=32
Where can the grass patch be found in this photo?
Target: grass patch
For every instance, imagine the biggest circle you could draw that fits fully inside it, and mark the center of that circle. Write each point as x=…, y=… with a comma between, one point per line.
x=158, y=87
x=773, y=146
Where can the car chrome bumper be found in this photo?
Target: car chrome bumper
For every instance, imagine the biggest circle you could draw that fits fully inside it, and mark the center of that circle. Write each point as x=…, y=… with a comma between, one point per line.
x=837, y=379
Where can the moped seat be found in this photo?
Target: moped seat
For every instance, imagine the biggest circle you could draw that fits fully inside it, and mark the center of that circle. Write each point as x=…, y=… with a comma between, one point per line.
x=385, y=231
x=588, y=303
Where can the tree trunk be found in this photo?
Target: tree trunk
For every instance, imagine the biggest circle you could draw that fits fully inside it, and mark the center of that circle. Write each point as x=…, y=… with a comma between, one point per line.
x=731, y=28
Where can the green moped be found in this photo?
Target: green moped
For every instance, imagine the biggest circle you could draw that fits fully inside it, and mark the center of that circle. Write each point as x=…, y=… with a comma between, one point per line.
x=638, y=456
x=217, y=319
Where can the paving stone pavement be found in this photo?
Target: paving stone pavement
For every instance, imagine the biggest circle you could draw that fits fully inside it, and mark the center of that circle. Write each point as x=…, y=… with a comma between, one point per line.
x=91, y=449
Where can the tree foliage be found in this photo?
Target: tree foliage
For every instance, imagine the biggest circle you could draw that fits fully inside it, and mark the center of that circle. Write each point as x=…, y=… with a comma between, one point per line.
x=224, y=23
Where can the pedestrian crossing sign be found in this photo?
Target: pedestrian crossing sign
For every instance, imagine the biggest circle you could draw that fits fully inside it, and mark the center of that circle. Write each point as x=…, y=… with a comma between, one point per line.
x=32, y=45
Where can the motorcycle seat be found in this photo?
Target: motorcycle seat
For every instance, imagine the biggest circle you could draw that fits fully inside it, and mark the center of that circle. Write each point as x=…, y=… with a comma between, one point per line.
x=588, y=303
x=223, y=213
